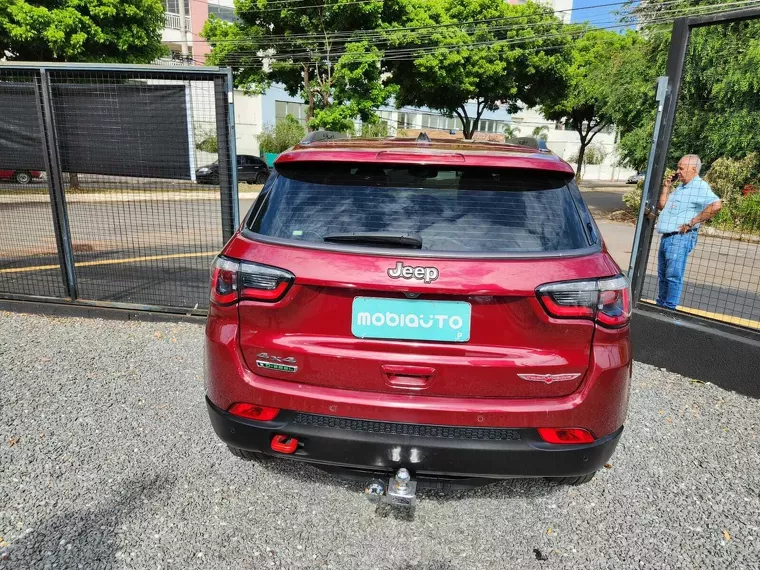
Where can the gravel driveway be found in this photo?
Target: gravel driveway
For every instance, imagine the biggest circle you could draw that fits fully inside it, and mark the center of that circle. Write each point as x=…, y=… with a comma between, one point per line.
x=107, y=460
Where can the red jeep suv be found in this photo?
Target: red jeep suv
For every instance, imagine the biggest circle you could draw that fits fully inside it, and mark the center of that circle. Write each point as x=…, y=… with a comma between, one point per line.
x=443, y=308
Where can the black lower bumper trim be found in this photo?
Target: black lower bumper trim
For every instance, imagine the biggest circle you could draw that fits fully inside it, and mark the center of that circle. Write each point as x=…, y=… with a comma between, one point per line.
x=423, y=449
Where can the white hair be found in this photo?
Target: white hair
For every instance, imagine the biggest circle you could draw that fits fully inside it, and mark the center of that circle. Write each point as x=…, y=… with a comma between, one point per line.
x=694, y=160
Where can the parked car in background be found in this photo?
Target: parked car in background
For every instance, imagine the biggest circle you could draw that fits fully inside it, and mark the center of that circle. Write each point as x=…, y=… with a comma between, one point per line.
x=250, y=169
x=20, y=176
x=636, y=178
x=420, y=310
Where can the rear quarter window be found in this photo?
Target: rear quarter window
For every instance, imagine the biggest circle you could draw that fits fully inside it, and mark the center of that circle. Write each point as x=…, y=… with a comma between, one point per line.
x=454, y=210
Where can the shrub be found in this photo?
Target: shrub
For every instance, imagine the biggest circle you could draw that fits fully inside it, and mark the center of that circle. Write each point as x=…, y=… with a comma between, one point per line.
x=280, y=137
x=747, y=212
x=632, y=198
x=595, y=154
x=727, y=177
x=206, y=141
x=376, y=130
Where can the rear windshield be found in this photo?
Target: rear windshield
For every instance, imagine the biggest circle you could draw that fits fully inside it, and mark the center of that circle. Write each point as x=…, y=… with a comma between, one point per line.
x=448, y=209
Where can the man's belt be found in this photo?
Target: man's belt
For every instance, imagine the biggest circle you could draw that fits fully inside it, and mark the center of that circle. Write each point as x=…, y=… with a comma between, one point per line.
x=669, y=234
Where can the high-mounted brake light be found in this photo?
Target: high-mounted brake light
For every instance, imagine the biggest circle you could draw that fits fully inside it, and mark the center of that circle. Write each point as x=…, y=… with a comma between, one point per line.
x=233, y=280
x=608, y=301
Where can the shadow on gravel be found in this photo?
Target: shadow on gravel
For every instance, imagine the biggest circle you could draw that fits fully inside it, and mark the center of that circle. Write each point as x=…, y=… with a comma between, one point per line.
x=498, y=489
x=83, y=538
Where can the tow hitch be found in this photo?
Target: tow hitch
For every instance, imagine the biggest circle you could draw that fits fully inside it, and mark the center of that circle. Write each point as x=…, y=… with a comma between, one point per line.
x=400, y=491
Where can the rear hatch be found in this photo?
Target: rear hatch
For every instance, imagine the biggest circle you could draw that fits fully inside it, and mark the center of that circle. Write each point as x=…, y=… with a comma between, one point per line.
x=416, y=279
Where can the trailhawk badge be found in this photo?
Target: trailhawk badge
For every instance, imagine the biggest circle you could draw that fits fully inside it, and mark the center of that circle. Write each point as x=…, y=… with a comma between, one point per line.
x=401, y=271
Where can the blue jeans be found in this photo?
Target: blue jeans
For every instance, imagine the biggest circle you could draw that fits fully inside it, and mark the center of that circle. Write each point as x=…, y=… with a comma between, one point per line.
x=674, y=252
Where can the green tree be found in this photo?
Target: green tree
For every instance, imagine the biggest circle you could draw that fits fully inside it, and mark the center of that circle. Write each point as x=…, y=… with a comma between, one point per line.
x=104, y=31
x=316, y=51
x=107, y=31
x=280, y=137
x=718, y=109
x=541, y=133
x=585, y=108
x=511, y=131
x=462, y=58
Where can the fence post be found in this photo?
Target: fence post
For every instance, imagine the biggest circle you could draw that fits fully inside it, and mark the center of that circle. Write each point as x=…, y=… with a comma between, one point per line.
x=233, y=149
x=227, y=160
x=656, y=170
x=662, y=88
x=56, y=189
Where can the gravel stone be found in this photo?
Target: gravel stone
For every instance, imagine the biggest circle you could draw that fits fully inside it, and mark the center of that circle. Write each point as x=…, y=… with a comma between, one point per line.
x=108, y=461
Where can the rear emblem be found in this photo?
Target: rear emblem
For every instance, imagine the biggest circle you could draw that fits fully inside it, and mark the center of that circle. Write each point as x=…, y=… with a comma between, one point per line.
x=548, y=378
x=271, y=362
x=426, y=274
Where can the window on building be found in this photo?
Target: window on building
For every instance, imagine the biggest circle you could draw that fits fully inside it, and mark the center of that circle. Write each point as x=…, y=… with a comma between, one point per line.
x=172, y=6
x=284, y=108
x=226, y=13
x=406, y=120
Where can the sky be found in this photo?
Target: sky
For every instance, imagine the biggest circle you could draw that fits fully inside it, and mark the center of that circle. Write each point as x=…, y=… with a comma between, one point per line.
x=596, y=15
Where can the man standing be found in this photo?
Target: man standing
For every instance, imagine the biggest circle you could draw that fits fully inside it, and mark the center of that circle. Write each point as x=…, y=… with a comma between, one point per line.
x=690, y=204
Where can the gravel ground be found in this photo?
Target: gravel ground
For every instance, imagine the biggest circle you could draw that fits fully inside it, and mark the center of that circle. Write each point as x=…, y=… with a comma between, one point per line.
x=107, y=460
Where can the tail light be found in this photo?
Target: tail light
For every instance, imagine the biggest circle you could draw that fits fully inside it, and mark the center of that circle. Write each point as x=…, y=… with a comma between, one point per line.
x=253, y=412
x=608, y=301
x=233, y=280
x=566, y=435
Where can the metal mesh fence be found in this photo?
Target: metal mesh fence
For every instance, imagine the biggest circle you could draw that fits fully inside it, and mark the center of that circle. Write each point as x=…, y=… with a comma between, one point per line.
x=27, y=236
x=142, y=163
x=712, y=268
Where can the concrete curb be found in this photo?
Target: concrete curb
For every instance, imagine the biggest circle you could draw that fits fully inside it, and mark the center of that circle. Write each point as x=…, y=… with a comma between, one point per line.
x=736, y=236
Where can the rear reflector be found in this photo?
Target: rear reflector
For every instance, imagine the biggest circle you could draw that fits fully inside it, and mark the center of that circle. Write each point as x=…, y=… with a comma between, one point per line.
x=253, y=412
x=232, y=280
x=607, y=301
x=566, y=435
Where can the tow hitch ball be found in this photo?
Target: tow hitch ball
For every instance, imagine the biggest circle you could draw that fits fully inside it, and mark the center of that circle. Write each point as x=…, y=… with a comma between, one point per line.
x=399, y=492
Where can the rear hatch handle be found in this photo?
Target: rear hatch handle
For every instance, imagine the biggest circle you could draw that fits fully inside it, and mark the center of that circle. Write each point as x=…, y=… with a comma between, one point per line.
x=408, y=377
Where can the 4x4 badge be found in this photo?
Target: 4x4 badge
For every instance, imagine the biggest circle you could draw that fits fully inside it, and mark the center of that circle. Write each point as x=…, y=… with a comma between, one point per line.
x=276, y=362
x=426, y=274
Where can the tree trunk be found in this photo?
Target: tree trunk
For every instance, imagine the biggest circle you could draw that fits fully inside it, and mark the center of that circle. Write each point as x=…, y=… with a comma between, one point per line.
x=469, y=129
x=581, y=154
x=465, y=120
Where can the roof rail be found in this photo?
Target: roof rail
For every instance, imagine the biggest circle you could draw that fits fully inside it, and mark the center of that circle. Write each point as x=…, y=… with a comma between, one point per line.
x=317, y=136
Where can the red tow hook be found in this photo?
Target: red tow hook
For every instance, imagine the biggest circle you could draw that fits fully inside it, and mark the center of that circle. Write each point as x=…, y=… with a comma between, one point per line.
x=284, y=444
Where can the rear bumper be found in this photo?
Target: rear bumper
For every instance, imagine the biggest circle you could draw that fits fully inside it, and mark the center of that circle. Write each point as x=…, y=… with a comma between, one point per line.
x=423, y=449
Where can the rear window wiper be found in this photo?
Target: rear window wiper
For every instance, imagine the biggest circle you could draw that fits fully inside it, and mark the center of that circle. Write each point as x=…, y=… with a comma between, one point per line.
x=389, y=239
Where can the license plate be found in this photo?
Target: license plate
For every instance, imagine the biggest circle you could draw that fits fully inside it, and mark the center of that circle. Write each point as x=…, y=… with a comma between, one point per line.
x=407, y=319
